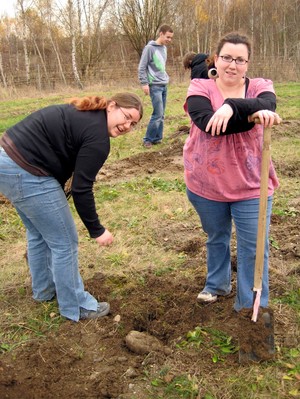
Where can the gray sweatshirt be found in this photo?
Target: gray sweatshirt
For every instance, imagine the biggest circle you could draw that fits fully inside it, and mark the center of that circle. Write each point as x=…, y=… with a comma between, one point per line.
x=152, y=66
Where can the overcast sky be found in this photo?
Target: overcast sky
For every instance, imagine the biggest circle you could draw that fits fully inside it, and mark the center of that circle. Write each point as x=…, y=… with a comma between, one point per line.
x=7, y=7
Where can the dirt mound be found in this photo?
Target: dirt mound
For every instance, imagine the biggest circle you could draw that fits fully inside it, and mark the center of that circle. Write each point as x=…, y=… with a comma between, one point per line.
x=168, y=158
x=90, y=359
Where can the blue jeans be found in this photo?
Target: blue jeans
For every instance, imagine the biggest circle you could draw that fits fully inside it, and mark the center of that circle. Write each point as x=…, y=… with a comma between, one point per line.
x=155, y=127
x=216, y=219
x=52, y=242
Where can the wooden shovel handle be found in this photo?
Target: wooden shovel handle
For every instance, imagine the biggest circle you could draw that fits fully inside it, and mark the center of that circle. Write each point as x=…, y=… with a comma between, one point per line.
x=262, y=215
x=257, y=121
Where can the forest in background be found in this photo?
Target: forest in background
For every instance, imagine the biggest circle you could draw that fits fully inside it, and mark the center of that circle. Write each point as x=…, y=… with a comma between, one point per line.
x=50, y=44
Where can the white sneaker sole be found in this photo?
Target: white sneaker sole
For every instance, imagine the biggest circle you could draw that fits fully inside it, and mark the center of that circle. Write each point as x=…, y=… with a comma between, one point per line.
x=207, y=299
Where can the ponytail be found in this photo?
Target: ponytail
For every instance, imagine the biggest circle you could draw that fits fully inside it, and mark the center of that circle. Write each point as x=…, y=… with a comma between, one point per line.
x=89, y=103
x=94, y=103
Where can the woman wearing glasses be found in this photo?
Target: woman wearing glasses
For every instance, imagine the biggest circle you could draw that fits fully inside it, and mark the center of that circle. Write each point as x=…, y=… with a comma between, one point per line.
x=37, y=157
x=222, y=158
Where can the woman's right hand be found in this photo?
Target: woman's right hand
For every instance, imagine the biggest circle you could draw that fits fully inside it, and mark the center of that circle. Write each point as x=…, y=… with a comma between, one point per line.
x=105, y=239
x=218, y=122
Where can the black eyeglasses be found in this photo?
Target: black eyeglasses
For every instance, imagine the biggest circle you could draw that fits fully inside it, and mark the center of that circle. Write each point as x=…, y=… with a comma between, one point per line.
x=229, y=59
x=128, y=119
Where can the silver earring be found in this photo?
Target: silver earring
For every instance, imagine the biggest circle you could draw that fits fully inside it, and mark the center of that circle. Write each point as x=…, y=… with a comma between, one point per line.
x=213, y=73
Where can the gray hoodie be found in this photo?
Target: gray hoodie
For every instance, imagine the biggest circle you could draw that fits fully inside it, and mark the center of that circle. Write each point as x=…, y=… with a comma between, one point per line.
x=152, y=66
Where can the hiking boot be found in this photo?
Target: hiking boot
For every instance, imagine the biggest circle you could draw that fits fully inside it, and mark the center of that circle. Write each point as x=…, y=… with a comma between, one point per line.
x=103, y=309
x=206, y=297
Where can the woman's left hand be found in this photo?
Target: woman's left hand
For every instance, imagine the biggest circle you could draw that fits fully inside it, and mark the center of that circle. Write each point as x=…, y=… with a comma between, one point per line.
x=218, y=122
x=265, y=117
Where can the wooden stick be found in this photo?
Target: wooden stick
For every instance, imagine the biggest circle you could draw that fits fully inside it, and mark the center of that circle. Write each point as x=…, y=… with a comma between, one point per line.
x=262, y=215
x=257, y=121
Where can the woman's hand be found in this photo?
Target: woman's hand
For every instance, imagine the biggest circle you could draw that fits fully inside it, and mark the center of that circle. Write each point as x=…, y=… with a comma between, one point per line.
x=265, y=117
x=218, y=122
x=105, y=239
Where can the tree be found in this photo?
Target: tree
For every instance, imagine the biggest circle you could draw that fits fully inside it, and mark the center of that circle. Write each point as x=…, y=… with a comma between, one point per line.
x=20, y=5
x=71, y=15
x=46, y=10
x=2, y=72
x=140, y=20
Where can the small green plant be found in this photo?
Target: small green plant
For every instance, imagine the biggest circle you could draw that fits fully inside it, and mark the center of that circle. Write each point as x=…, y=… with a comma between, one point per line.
x=274, y=243
x=117, y=259
x=217, y=342
x=291, y=298
x=107, y=194
x=182, y=386
x=132, y=222
x=223, y=343
x=4, y=347
x=160, y=184
x=194, y=338
x=289, y=212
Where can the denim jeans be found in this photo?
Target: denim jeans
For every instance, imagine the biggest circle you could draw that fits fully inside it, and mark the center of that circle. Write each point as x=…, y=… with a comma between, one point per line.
x=155, y=127
x=52, y=241
x=216, y=219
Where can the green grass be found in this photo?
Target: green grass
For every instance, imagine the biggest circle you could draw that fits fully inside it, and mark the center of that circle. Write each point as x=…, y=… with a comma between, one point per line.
x=182, y=386
x=288, y=98
x=17, y=331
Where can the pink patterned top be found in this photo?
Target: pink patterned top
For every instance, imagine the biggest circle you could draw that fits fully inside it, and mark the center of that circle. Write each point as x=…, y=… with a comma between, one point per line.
x=225, y=168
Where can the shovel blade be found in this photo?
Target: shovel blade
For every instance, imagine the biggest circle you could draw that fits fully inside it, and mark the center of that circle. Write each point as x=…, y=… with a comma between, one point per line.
x=258, y=345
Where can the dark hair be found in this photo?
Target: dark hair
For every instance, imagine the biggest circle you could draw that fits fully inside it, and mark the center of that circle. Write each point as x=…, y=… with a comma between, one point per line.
x=234, y=38
x=93, y=103
x=187, y=59
x=165, y=28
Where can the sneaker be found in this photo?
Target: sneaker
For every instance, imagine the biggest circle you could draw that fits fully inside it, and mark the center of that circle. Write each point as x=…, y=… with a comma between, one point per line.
x=147, y=144
x=103, y=309
x=206, y=297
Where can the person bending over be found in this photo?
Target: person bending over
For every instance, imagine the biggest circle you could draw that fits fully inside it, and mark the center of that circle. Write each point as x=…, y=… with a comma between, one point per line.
x=37, y=157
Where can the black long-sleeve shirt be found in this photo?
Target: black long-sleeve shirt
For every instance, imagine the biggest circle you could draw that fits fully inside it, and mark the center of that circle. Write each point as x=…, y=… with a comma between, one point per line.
x=200, y=110
x=59, y=140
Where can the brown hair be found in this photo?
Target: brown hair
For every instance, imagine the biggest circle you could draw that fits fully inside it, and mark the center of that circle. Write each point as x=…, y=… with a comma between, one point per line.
x=165, y=28
x=93, y=103
x=234, y=38
x=187, y=59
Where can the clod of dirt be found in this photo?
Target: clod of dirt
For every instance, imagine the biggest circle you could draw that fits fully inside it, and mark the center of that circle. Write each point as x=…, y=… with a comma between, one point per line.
x=143, y=343
x=181, y=130
x=257, y=342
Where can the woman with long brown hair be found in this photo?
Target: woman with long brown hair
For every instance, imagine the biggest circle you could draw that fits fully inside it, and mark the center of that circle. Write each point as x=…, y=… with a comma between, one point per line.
x=37, y=157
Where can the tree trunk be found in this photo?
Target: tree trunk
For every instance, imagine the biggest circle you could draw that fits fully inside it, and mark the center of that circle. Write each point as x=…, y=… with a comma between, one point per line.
x=24, y=41
x=2, y=72
x=73, y=45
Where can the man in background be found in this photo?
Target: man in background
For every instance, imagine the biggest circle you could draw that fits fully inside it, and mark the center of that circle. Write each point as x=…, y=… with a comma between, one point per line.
x=154, y=80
